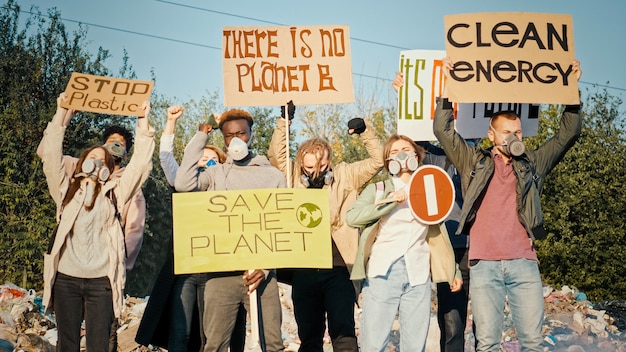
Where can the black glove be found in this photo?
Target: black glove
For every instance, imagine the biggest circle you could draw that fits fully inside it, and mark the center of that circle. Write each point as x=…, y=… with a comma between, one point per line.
x=357, y=124
x=291, y=109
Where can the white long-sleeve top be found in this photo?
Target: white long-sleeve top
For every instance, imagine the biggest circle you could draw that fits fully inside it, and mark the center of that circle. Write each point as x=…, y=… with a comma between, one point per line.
x=401, y=235
x=166, y=156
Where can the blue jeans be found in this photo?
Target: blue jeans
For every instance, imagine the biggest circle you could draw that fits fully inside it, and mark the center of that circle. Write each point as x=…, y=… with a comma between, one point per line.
x=520, y=281
x=187, y=293
x=75, y=299
x=383, y=297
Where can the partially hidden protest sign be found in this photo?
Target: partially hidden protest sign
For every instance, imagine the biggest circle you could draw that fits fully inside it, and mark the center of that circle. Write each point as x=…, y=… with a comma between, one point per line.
x=106, y=95
x=218, y=231
x=423, y=83
x=511, y=57
x=271, y=65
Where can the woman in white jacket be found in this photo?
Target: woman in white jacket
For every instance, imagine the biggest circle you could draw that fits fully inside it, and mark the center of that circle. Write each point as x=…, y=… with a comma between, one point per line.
x=84, y=269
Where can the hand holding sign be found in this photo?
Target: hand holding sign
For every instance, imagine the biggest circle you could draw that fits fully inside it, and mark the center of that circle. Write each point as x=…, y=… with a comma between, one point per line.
x=397, y=196
x=144, y=113
x=576, y=69
x=398, y=82
x=63, y=114
x=252, y=279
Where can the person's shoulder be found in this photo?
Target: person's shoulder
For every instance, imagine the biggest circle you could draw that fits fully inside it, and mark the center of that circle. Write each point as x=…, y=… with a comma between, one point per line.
x=260, y=160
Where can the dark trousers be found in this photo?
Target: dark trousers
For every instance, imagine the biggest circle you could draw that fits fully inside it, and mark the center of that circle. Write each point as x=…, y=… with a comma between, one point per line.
x=452, y=308
x=187, y=305
x=319, y=295
x=187, y=300
x=75, y=299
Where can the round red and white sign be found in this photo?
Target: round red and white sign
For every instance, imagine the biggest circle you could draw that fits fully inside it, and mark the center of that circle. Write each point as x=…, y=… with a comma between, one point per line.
x=431, y=194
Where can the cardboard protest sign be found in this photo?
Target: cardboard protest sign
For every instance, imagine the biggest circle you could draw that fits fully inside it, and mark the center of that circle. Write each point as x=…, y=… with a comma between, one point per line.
x=511, y=57
x=271, y=65
x=251, y=229
x=473, y=119
x=106, y=95
x=423, y=83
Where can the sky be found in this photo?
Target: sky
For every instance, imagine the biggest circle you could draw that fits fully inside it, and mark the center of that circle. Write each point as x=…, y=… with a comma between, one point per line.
x=180, y=40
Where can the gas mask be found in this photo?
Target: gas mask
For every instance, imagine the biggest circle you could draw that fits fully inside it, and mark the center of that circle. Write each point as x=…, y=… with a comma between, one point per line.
x=117, y=150
x=512, y=145
x=323, y=178
x=95, y=170
x=238, y=149
x=403, y=161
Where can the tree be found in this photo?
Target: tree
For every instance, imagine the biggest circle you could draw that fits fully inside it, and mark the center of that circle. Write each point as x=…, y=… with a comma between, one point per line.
x=35, y=64
x=584, y=203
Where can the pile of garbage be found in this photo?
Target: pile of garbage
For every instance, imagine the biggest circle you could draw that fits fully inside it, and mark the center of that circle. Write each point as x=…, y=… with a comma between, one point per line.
x=571, y=323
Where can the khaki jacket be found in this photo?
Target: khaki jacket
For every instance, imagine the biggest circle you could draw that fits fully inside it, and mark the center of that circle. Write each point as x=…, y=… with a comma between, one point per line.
x=348, y=178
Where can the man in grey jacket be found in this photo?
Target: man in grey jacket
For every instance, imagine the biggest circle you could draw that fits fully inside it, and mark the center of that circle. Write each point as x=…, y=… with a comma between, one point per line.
x=502, y=213
x=227, y=291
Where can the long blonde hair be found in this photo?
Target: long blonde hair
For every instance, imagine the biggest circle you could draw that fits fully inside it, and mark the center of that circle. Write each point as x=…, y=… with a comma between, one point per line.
x=318, y=147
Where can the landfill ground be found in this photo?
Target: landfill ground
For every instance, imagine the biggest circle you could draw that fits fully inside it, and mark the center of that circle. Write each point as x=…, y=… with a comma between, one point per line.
x=571, y=323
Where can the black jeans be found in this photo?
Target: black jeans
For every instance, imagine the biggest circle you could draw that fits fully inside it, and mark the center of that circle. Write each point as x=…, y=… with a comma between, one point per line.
x=319, y=295
x=452, y=308
x=76, y=299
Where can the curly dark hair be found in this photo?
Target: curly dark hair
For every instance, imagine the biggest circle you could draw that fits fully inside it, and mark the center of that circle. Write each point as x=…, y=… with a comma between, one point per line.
x=122, y=131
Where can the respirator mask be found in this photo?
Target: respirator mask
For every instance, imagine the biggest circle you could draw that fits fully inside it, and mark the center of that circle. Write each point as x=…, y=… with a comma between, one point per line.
x=95, y=170
x=323, y=178
x=512, y=146
x=117, y=150
x=238, y=149
x=403, y=161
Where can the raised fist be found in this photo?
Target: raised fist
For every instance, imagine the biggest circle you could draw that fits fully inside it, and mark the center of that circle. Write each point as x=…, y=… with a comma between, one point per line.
x=356, y=125
x=291, y=110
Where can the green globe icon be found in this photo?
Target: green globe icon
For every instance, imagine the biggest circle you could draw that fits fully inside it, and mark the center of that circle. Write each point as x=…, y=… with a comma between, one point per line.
x=309, y=215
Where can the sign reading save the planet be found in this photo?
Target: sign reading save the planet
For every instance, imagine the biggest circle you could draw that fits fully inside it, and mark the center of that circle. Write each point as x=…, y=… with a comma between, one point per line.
x=218, y=231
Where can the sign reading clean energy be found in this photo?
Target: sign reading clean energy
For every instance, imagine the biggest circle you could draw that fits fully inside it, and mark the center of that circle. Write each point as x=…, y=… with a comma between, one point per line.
x=251, y=229
x=518, y=57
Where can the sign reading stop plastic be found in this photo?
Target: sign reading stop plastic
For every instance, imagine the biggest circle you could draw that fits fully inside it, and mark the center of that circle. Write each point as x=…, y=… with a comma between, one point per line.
x=431, y=194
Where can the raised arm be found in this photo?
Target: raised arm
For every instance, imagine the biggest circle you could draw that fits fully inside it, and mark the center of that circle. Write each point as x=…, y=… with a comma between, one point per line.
x=363, y=170
x=553, y=150
x=166, y=147
x=278, y=153
x=50, y=151
x=188, y=179
x=140, y=164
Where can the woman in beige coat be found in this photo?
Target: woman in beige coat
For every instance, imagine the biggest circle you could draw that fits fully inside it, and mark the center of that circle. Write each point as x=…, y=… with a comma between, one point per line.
x=84, y=269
